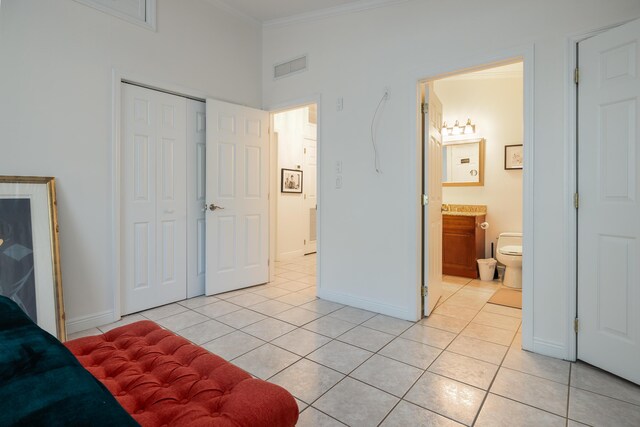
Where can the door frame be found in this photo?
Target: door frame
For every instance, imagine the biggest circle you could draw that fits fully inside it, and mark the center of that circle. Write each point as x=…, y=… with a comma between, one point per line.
x=571, y=179
x=453, y=66
x=273, y=178
x=117, y=78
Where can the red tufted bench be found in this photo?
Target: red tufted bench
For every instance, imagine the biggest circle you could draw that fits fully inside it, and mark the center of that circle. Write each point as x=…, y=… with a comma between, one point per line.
x=163, y=379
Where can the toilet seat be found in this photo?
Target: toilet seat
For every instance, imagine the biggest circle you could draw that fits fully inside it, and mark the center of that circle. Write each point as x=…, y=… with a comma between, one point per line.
x=512, y=250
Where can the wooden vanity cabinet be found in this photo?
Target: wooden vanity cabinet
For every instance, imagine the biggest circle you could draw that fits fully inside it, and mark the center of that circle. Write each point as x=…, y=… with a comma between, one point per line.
x=462, y=245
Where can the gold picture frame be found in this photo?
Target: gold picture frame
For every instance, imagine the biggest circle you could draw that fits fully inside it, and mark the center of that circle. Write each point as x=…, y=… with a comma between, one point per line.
x=30, y=271
x=480, y=173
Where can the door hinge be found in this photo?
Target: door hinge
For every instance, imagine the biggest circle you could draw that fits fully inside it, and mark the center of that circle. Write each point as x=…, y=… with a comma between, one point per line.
x=305, y=241
x=268, y=262
x=576, y=200
x=576, y=325
x=305, y=151
x=425, y=200
x=425, y=108
x=424, y=291
x=576, y=75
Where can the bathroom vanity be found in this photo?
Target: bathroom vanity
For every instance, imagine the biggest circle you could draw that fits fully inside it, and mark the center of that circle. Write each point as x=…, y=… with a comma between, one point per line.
x=462, y=239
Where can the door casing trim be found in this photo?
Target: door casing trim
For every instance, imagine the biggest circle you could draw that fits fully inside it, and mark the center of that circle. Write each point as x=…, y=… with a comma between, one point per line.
x=526, y=54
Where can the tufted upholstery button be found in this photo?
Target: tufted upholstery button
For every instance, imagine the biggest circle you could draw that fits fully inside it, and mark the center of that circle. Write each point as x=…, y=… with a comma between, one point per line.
x=204, y=377
x=139, y=411
x=166, y=385
x=184, y=401
x=122, y=393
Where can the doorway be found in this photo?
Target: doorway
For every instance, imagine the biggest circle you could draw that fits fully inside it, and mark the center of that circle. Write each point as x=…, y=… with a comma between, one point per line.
x=473, y=187
x=295, y=136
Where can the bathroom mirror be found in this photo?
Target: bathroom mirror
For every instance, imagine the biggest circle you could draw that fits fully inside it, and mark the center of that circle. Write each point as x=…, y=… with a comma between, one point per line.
x=463, y=163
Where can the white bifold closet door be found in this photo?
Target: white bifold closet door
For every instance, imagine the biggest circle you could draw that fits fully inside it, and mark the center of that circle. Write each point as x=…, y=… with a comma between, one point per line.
x=153, y=198
x=196, y=197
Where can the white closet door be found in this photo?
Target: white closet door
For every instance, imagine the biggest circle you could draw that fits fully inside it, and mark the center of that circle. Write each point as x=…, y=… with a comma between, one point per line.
x=196, y=197
x=153, y=252
x=237, y=195
x=609, y=213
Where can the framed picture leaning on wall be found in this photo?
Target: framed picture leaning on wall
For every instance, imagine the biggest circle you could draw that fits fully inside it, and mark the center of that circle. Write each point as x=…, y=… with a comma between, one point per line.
x=29, y=250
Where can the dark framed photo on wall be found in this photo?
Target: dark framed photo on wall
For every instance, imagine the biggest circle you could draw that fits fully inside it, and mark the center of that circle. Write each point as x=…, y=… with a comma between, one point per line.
x=291, y=181
x=29, y=250
x=513, y=157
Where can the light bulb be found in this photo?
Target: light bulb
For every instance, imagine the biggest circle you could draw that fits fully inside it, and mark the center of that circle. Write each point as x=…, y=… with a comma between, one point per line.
x=468, y=128
x=457, y=130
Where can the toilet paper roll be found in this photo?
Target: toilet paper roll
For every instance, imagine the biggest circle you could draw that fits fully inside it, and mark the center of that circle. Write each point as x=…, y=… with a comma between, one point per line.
x=484, y=225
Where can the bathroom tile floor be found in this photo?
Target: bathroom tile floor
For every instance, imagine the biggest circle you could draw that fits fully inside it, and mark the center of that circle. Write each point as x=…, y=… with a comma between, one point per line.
x=461, y=366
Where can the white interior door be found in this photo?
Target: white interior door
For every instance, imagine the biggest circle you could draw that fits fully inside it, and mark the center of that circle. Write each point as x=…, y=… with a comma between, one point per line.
x=310, y=198
x=196, y=197
x=432, y=210
x=609, y=213
x=237, y=223
x=153, y=198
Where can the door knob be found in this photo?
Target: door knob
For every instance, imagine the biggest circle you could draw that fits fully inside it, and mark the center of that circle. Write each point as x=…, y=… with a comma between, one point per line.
x=213, y=207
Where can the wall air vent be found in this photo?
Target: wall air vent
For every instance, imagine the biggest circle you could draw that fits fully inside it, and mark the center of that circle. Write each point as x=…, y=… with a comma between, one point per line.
x=284, y=69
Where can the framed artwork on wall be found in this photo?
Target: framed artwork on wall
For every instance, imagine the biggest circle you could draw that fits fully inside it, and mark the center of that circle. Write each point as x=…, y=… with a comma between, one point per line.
x=291, y=181
x=513, y=157
x=29, y=250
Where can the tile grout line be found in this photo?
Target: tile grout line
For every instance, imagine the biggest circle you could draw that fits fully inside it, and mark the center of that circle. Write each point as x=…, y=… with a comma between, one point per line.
x=484, y=400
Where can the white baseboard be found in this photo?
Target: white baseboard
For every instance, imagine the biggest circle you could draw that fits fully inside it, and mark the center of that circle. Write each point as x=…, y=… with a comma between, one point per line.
x=549, y=348
x=286, y=256
x=365, y=304
x=82, y=323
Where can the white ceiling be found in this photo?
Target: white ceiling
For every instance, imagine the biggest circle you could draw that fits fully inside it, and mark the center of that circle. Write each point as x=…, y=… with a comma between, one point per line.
x=269, y=10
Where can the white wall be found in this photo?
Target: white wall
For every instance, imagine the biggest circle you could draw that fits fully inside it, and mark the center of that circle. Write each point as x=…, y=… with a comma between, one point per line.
x=56, y=60
x=290, y=221
x=495, y=105
x=368, y=228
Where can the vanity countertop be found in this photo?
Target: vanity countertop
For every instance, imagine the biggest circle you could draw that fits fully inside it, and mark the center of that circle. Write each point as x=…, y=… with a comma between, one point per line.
x=464, y=210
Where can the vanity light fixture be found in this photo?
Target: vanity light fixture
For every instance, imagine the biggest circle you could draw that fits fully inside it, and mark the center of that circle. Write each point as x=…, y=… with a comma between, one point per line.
x=456, y=129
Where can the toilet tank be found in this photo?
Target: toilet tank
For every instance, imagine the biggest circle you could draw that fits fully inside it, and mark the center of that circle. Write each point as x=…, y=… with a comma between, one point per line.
x=508, y=239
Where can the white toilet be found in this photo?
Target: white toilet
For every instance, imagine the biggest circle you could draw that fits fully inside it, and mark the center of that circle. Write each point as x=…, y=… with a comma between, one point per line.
x=510, y=254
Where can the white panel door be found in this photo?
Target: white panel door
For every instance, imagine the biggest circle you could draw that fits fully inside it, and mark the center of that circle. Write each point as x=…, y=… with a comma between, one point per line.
x=310, y=196
x=432, y=211
x=153, y=252
x=609, y=214
x=237, y=196
x=196, y=197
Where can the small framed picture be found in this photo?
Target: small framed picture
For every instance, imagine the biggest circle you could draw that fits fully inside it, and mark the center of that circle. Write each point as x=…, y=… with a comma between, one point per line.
x=513, y=158
x=291, y=181
x=29, y=252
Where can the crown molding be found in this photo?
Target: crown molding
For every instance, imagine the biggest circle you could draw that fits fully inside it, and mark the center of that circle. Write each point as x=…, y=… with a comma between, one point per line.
x=233, y=11
x=357, y=6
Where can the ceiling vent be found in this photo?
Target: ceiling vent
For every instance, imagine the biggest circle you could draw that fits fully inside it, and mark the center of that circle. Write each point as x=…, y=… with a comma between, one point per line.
x=297, y=65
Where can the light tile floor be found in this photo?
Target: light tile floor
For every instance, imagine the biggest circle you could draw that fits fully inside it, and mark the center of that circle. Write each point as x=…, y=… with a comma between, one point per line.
x=461, y=366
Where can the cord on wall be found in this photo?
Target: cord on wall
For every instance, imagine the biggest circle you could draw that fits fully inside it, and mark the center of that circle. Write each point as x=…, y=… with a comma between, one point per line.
x=374, y=129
